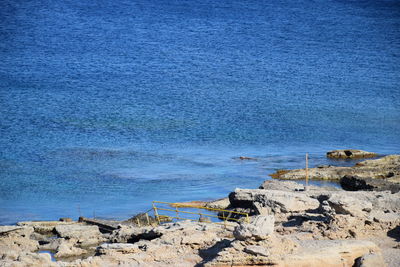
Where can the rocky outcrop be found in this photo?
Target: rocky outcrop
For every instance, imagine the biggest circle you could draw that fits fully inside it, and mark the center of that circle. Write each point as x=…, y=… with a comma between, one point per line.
x=86, y=235
x=355, y=183
x=386, y=168
x=67, y=248
x=288, y=227
x=45, y=227
x=350, y=154
x=370, y=260
x=260, y=228
x=275, y=200
x=15, y=240
x=330, y=253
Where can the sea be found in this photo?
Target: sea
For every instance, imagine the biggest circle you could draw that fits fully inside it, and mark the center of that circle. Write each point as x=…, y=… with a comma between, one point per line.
x=106, y=106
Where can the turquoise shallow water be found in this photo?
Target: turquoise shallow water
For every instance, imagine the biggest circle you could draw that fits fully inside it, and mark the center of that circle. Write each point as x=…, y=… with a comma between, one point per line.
x=106, y=106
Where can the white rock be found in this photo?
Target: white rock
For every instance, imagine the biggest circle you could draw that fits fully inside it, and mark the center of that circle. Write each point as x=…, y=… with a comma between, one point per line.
x=259, y=229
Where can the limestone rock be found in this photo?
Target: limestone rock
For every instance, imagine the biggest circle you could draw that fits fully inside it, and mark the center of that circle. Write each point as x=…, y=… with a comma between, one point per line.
x=85, y=234
x=383, y=168
x=32, y=260
x=14, y=240
x=350, y=154
x=260, y=228
x=278, y=201
x=44, y=227
x=329, y=253
x=222, y=203
x=257, y=250
x=131, y=234
x=370, y=260
x=67, y=249
x=343, y=204
x=118, y=247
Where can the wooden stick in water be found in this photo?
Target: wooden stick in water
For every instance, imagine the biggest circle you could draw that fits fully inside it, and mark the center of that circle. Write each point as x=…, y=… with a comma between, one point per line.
x=306, y=170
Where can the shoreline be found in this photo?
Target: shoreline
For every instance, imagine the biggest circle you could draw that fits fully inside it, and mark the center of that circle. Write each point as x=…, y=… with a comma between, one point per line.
x=288, y=226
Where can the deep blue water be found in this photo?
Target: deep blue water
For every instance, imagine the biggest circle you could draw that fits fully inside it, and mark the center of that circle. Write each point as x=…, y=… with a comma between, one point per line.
x=108, y=105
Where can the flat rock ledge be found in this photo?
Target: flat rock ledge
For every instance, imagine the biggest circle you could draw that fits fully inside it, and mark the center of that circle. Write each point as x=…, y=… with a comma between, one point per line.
x=350, y=154
x=386, y=170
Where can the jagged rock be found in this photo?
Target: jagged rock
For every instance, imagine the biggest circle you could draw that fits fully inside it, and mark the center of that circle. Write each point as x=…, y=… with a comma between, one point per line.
x=52, y=244
x=222, y=203
x=277, y=201
x=67, y=249
x=133, y=234
x=32, y=260
x=15, y=240
x=386, y=217
x=370, y=260
x=118, y=247
x=44, y=227
x=257, y=250
x=85, y=234
x=343, y=204
x=260, y=228
x=350, y=154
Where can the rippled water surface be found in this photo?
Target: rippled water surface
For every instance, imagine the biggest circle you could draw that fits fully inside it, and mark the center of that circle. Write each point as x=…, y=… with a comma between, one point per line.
x=108, y=105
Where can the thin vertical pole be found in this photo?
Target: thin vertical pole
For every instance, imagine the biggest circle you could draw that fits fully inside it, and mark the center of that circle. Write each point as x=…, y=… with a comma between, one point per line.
x=156, y=213
x=306, y=171
x=148, y=219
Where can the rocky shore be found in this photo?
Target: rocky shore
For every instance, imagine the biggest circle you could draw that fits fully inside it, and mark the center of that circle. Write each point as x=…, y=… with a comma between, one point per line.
x=289, y=226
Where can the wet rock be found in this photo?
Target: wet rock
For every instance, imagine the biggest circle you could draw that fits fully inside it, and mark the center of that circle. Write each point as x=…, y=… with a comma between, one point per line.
x=245, y=158
x=355, y=183
x=384, y=168
x=350, y=154
x=260, y=228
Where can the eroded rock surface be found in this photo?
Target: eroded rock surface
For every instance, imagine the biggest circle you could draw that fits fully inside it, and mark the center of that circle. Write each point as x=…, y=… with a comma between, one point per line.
x=387, y=169
x=350, y=154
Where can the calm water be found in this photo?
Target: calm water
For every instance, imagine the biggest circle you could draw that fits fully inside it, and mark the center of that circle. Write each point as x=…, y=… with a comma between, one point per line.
x=108, y=105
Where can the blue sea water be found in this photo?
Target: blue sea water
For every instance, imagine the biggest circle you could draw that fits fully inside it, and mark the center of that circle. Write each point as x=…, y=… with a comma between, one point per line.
x=108, y=105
